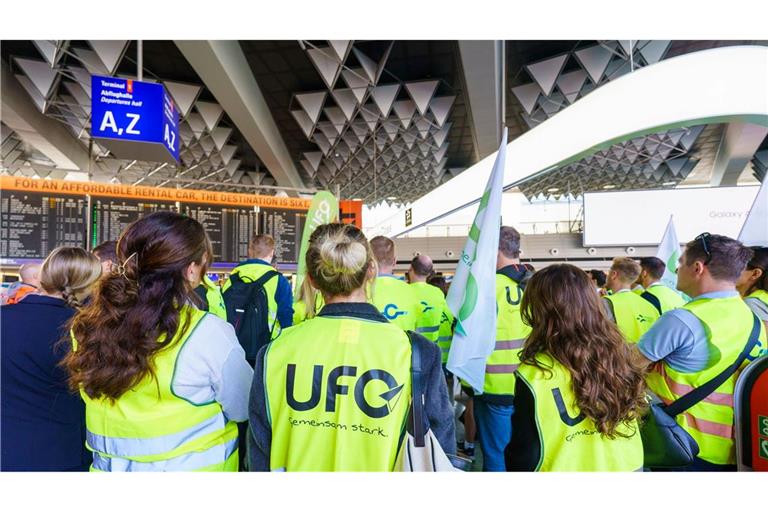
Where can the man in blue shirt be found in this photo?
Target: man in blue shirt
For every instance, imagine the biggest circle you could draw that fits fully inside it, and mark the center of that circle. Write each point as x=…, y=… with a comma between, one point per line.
x=692, y=344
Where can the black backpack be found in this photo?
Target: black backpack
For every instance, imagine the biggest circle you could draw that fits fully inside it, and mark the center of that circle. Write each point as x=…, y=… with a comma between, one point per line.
x=248, y=311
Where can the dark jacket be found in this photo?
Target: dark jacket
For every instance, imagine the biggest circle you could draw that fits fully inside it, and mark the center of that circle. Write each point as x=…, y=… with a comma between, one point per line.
x=437, y=407
x=43, y=423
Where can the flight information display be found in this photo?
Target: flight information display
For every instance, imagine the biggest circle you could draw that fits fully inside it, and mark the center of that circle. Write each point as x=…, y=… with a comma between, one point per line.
x=112, y=215
x=32, y=224
x=229, y=228
x=286, y=227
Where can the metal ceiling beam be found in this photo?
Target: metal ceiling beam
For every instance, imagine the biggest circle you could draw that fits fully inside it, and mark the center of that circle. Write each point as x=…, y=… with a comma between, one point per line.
x=482, y=81
x=737, y=147
x=45, y=134
x=225, y=72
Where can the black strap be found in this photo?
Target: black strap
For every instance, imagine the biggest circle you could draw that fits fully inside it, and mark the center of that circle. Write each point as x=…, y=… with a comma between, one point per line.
x=417, y=391
x=260, y=282
x=691, y=398
x=654, y=300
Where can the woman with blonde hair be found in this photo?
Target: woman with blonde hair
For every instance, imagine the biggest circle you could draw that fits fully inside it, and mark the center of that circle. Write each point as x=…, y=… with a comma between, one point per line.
x=163, y=382
x=333, y=393
x=43, y=424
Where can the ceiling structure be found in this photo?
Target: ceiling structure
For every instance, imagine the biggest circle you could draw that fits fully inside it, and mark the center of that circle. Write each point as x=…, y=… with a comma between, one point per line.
x=383, y=121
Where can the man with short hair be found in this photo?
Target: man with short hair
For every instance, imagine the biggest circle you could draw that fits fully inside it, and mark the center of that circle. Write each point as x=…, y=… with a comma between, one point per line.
x=631, y=313
x=261, y=251
x=436, y=319
x=493, y=409
x=392, y=296
x=107, y=254
x=657, y=293
x=693, y=344
x=29, y=282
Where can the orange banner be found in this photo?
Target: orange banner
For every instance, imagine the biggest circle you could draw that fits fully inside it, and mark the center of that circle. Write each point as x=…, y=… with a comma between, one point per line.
x=150, y=193
x=351, y=212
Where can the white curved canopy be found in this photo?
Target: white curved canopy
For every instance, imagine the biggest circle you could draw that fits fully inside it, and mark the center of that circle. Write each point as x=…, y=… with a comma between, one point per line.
x=721, y=85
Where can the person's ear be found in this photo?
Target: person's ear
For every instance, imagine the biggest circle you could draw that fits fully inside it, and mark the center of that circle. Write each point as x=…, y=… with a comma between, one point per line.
x=698, y=267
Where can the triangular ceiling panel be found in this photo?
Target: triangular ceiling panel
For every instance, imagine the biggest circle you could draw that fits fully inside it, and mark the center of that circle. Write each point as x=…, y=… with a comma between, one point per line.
x=546, y=72
x=326, y=63
x=341, y=48
x=357, y=82
x=304, y=121
x=422, y=125
x=404, y=110
x=220, y=136
x=346, y=100
x=440, y=107
x=422, y=93
x=336, y=116
x=653, y=51
x=368, y=65
x=689, y=138
x=312, y=103
x=227, y=152
x=441, y=134
x=197, y=124
x=184, y=95
x=383, y=62
x=527, y=95
x=594, y=60
x=571, y=83
x=369, y=115
x=40, y=73
x=210, y=112
x=110, y=53
x=384, y=96
x=322, y=142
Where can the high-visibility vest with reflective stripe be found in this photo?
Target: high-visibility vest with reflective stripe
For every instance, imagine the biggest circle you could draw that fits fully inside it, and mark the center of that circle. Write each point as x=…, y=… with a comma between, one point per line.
x=251, y=272
x=510, y=334
x=151, y=428
x=431, y=301
x=214, y=298
x=634, y=315
x=569, y=440
x=760, y=295
x=445, y=333
x=668, y=298
x=396, y=300
x=728, y=323
x=300, y=309
x=338, y=391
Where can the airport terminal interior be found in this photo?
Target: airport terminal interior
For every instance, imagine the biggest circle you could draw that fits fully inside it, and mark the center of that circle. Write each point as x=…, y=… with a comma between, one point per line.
x=614, y=165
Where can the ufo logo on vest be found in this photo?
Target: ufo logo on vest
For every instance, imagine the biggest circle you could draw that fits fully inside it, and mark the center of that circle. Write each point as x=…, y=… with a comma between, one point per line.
x=335, y=388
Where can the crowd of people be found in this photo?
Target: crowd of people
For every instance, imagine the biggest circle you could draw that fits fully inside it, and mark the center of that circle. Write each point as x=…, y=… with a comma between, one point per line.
x=130, y=358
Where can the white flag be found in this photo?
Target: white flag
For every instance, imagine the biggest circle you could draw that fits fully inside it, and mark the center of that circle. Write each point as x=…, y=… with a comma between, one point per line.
x=472, y=296
x=669, y=252
x=755, y=228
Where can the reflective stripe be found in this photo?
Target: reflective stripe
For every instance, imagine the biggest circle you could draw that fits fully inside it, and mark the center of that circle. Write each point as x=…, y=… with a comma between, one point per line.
x=501, y=368
x=709, y=427
x=428, y=329
x=509, y=344
x=138, y=447
x=445, y=338
x=188, y=462
x=682, y=389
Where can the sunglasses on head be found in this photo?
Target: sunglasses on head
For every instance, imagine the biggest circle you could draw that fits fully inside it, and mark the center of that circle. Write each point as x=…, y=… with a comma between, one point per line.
x=703, y=238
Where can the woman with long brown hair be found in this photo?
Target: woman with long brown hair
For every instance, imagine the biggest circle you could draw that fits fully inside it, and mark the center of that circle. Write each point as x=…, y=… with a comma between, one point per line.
x=163, y=382
x=578, y=394
x=42, y=421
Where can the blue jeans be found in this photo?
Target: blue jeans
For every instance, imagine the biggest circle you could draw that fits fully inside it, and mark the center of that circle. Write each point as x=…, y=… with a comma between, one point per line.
x=494, y=426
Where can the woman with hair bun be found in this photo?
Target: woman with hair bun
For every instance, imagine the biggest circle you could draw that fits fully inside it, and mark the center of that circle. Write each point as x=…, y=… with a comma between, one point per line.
x=163, y=382
x=579, y=394
x=43, y=424
x=333, y=393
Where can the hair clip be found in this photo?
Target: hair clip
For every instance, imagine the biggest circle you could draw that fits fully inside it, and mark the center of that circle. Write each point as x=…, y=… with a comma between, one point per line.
x=120, y=268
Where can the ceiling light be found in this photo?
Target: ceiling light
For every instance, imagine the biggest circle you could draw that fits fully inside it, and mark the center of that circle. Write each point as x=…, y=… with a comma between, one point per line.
x=392, y=198
x=553, y=189
x=607, y=187
x=669, y=183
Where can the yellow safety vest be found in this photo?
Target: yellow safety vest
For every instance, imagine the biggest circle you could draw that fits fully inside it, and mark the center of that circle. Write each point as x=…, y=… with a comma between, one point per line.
x=150, y=428
x=251, y=272
x=300, y=309
x=431, y=303
x=569, y=440
x=511, y=333
x=760, y=295
x=396, y=300
x=338, y=391
x=668, y=298
x=728, y=323
x=634, y=315
x=214, y=298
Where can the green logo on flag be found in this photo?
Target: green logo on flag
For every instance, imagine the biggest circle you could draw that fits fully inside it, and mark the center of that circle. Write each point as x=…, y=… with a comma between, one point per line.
x=762, y=425
x=763, y=448
x=672, y=262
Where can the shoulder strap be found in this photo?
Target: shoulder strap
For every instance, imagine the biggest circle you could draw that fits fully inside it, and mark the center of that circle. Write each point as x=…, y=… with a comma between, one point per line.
x=266, y=277
x=700, y=393
x=417, y=390
x=654, y=300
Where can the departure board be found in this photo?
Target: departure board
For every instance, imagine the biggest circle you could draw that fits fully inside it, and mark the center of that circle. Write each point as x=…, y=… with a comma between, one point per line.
x=229, y=228
x=112, y=215
x=286, y=227
x=32, y=224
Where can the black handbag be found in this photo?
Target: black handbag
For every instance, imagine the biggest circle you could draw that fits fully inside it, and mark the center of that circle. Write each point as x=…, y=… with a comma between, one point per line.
x=666, y=445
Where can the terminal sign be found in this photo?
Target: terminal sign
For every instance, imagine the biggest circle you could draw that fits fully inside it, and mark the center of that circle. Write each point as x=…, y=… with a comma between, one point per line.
x=135, y=120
